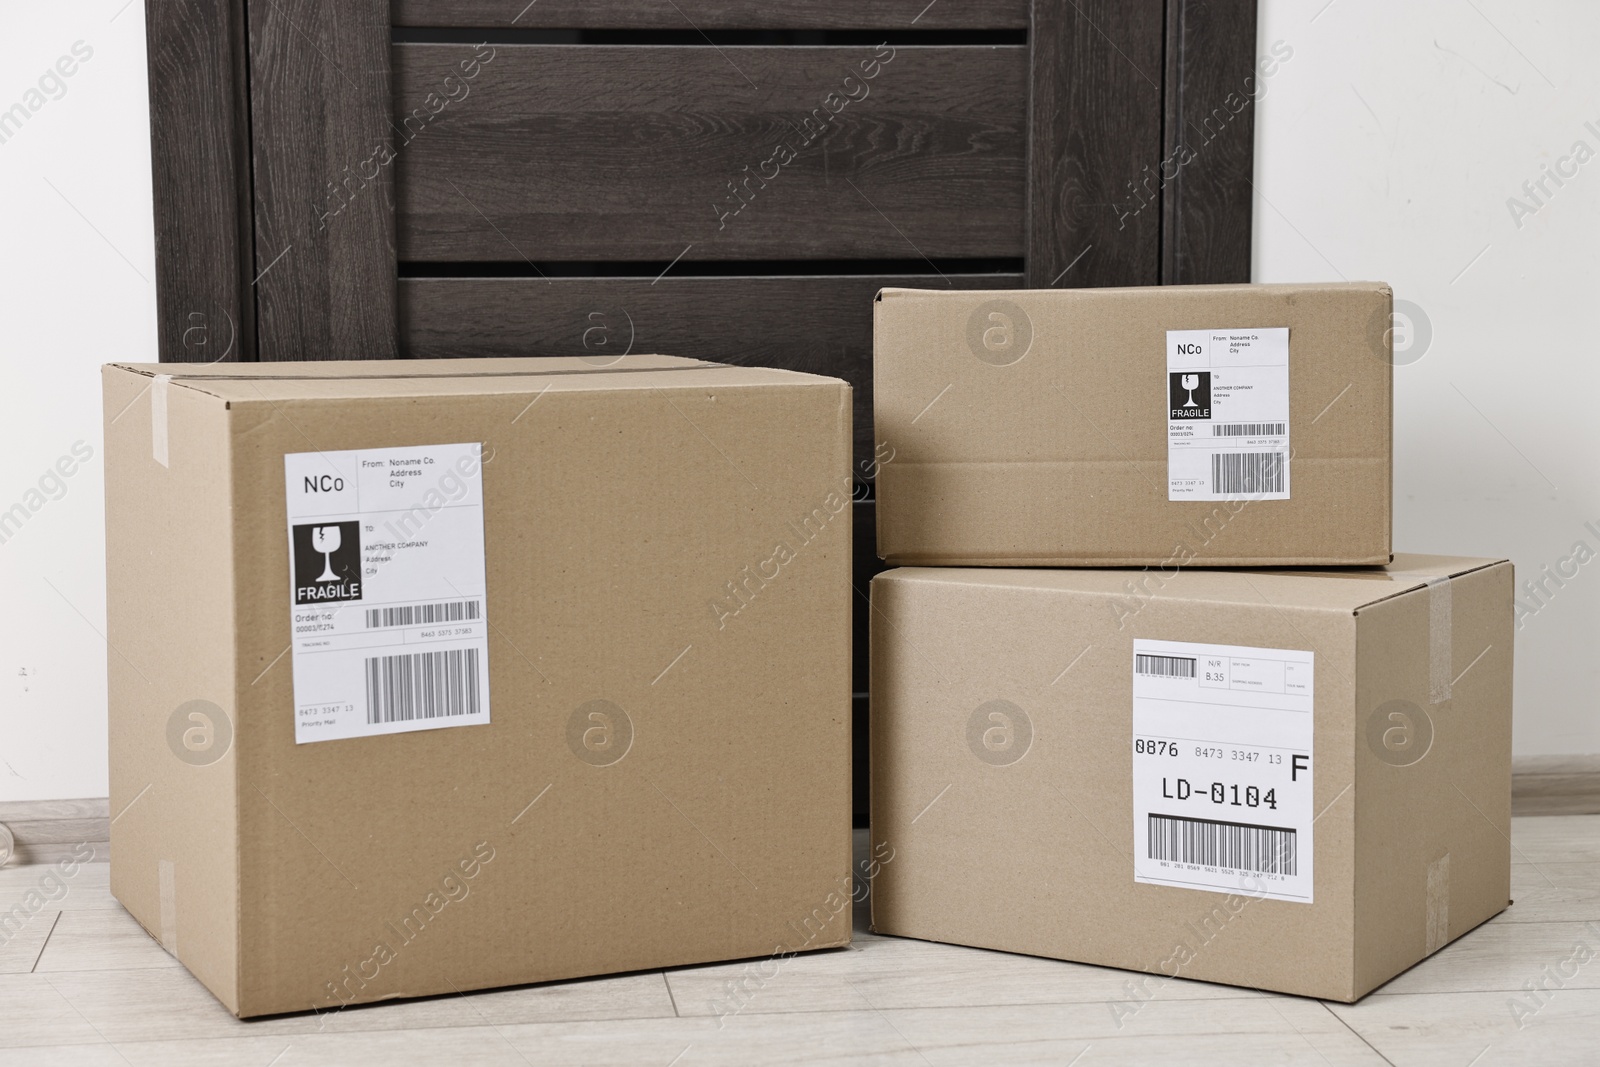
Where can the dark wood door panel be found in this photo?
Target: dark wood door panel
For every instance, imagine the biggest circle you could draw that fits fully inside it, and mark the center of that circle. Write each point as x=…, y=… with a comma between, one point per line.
x=200, y=123
x=818, y=324
x=716, y=14
x=324, y=274
x=1210, y=141
x=1095, y=143
x=649, y=153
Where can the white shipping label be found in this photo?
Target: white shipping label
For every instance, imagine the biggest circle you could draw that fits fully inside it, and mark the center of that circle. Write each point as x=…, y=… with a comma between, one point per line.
x=1228, y=414
x=387, y=595
x=1222, y=768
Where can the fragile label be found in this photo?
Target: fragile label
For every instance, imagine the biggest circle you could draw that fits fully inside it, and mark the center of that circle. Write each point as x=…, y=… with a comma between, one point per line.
x=389, y=631
x=1222, y=768
x=1228, y=414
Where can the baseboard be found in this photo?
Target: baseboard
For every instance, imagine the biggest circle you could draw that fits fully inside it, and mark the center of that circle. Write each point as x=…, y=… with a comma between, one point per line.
x=1555, y=785
x=50, y=830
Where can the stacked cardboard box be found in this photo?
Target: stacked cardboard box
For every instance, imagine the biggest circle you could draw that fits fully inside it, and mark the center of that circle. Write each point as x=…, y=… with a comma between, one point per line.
x=1232, y=425
x=1287, y=779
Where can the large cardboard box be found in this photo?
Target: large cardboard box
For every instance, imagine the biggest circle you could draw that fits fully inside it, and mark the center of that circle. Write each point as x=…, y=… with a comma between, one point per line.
x=1291, y=780
x=555, y=680
x=1229, y=425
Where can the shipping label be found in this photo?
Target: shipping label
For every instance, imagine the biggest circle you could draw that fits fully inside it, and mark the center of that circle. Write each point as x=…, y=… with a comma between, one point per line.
x=1222, y=768
x=1227, y=402
x=387, y=604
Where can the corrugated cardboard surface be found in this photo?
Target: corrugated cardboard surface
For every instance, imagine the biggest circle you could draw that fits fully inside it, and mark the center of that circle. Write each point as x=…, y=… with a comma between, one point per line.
x=1060, y=458
x=620, y=503
x=1036, y=856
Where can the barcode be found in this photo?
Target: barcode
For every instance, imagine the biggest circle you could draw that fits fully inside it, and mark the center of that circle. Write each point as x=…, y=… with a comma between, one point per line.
x=424, y=685
x=1249, y=429
x=1247, y=473
x=1163, y=666
x=1236, y=846
x=423, y=614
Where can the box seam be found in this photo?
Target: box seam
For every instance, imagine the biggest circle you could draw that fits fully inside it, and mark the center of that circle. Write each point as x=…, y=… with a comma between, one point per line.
x=238, y=731
x=1422, y=583
x=890, y=576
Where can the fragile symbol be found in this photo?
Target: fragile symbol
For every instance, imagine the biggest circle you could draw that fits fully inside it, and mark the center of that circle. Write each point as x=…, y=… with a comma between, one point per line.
x=327, y=562
x=325, y=539
x=1190, y=394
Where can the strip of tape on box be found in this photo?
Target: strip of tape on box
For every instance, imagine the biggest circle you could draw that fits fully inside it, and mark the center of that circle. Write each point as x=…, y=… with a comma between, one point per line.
x=1440, y=604
x=159, y=386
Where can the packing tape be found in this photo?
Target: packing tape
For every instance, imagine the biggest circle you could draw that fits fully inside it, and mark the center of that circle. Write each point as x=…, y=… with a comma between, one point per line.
x=158, y=417
x=1438, y=929
x=1439, y=662
x=167, y=876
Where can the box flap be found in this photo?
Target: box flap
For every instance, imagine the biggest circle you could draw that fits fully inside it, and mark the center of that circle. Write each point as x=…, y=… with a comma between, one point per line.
x=1411, y=570
x=350, y=379
x=410, y=368
x=1346, y=589
x=1155, y=292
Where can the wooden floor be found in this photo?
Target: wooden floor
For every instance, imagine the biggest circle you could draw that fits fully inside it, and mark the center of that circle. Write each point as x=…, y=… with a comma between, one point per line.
x=81, y=983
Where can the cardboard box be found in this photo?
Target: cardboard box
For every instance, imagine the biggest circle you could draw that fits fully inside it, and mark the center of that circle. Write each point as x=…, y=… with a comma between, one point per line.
x=1229, y=425
x=1297, y=781
x=625, y=744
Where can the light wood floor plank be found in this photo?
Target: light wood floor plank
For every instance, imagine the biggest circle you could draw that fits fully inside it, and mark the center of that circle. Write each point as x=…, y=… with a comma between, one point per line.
x=1553, y=892
x=29, y=875
x=1556, y=839
x=1483, y=1029
x=39, y=886
x=168, y=1003
x=74, y=897
x=477, y=1045
x=22, y=937
x=37, y=1015
x=1502, y=957
x=1257, y=1031
x=101, y=940
x=902, y=973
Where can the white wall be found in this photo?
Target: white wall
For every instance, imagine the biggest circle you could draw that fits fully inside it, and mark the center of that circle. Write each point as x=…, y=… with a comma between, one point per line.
x=76, y=273
x=1388, y=148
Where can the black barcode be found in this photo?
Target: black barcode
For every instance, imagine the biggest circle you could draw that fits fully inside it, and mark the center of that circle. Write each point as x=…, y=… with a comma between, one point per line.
x=1163, y=666
x=1247, y=473
x=424, y=685
x=1249, y=429
x=1236, y=846
x=423, y=614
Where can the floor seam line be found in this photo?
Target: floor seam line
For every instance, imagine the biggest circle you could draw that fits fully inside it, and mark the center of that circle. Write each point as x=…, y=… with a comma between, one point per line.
x=1358, y=1035
x=676, y=1014
x=48, y=935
